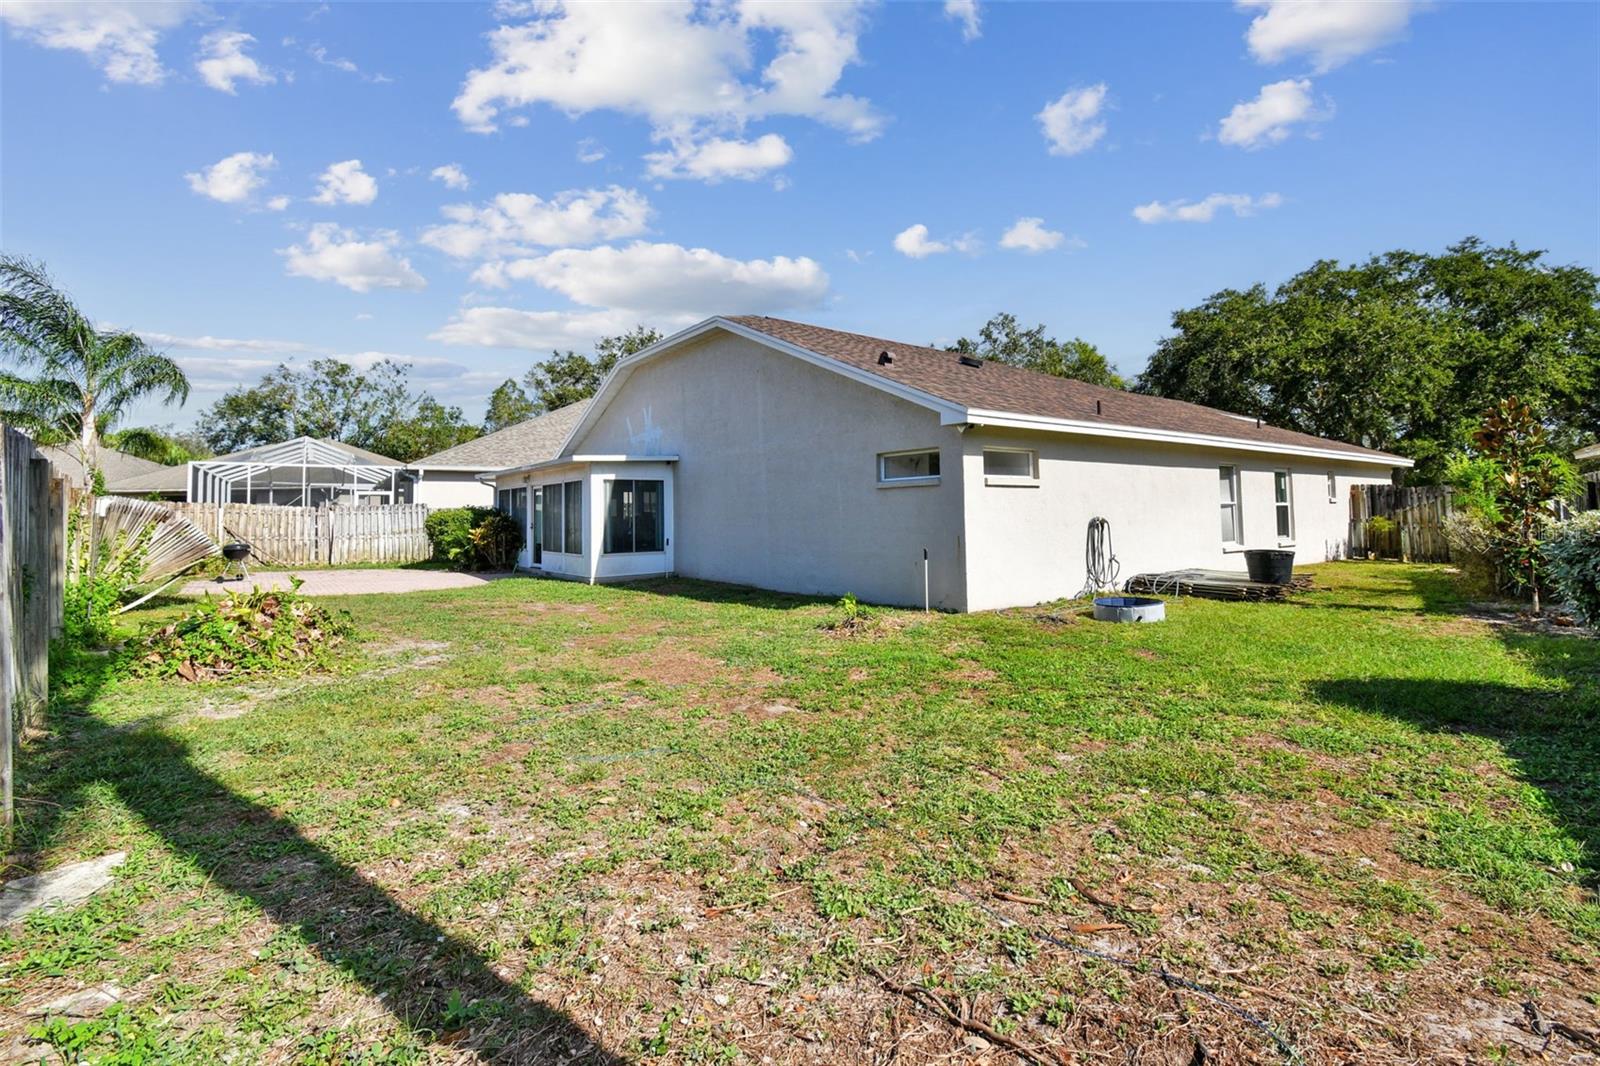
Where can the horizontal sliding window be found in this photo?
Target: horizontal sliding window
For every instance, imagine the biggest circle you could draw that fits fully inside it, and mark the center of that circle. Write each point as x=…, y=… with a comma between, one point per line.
x=908, y=466
x=1009, y=463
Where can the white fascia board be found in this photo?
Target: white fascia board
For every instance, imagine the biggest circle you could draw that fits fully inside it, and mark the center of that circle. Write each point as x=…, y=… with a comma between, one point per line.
x=421, y=468
x=1008, y=420
x=619, y=373
x=574, y=460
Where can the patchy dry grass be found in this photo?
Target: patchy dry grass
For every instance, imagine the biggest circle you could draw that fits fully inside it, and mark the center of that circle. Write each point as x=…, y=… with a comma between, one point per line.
x=542, y=822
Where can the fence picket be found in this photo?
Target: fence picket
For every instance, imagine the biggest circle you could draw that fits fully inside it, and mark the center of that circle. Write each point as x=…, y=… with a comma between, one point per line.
x=1418, y=514
x=303, y=536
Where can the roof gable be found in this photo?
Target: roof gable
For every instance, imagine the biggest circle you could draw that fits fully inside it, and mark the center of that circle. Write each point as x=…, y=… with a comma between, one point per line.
x=997, y=394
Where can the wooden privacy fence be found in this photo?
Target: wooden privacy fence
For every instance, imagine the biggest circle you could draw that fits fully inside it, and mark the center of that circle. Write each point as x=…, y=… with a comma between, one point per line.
x=326, y=535
x=1414, y=529
x=33, y=551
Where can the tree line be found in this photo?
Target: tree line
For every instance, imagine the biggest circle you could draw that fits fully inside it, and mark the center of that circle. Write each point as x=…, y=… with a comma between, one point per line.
x=1402, y=352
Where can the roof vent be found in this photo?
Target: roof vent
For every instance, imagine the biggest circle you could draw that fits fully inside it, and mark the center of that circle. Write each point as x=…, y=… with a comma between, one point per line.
x=971, y=360
x=884, y=358
x=1097, y=407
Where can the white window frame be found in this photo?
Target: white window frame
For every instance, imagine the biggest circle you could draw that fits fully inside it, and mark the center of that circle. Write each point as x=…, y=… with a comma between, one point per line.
x=1030, y=480
x=922, y=479
x=1236, y=505
x=1333, y=488
x=1287, y=503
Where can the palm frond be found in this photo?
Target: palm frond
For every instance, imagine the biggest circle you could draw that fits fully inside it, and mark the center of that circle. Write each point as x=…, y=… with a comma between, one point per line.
x=39, y=324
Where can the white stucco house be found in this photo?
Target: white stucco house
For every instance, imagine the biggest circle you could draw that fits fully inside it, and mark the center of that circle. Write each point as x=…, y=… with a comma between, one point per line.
x=764, y=452
x=454, y=477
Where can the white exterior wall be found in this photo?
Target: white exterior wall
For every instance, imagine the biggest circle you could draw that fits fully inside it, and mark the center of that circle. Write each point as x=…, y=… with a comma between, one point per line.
x=1025, y=545
x=776, y=484
x=452, y=488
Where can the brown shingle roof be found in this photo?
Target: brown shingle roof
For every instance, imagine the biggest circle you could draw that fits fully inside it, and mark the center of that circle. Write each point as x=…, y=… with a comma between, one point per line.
x=1013, y=390
x=532, y=441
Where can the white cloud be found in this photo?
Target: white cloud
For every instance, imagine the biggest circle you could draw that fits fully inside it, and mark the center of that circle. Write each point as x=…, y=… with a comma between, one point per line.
x=208, y=343
x=506, y=327
x=590, y=150
x=517, y=222
x=1205, y=210
x=222, y=62
x=332, y=253
x=346, y=183
x=966, y=13
x=452, y=175
x=235, y=179
x=717, y=158
x=277, y=203
x=1331, y=32
x=913, y=241
x=1029, y=235
x=118, y=36
x=1072, y=123
x=666, y=278
x=1269, y=118
x=680, y=65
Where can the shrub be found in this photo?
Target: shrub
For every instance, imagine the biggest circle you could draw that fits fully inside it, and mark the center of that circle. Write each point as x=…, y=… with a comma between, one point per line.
x=474, y=538
x=1572, y=559
x=246, y=632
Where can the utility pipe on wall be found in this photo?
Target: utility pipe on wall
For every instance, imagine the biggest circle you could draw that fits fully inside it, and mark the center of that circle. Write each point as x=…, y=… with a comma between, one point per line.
x=925, y=607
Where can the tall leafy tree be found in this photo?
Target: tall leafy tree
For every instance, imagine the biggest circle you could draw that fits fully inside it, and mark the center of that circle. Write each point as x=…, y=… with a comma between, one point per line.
x=429, y=427
x=327, y=399
x=508, y=405
x=163, y=444
x=567, y=377
x=1400, y=352
x=1004, y=340
x=69, y=380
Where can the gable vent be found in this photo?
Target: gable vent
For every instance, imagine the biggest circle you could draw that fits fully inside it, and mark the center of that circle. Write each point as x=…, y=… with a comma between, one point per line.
x=884, y=358
x=971, y=360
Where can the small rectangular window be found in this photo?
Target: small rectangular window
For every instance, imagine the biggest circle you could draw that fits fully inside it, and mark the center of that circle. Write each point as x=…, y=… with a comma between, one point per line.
x=1333, y=488
x=1228, y=484
x=908, y=466
x=1008, y=463
x=1283, y=503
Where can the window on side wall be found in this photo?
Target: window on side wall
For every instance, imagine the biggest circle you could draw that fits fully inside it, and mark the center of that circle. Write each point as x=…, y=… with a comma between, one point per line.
x=554, y=523
x=1283, y=503
x=1333, y=488
x=634, y=521
x=1228, y=485
x=573, y=505
x=908, y=466
x=1010, y=465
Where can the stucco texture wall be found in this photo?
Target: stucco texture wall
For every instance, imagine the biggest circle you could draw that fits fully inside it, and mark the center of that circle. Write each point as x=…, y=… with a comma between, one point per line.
x=1026, y=544
x=453, y=488
x=777, y=480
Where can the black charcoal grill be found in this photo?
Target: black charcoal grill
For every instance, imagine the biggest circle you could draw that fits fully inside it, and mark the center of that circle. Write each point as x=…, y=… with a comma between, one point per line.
x=235, y=555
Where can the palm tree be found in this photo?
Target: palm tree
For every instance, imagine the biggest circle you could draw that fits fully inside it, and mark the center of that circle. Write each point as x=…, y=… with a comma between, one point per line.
x=82, y=378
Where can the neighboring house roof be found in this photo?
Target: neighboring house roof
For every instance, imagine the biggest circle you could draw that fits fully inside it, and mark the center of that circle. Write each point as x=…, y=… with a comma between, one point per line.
x=277, y=453
x=1022, y=396
x=532, y=441
x=116, y=467
x=1591, y=451
x=163, y=481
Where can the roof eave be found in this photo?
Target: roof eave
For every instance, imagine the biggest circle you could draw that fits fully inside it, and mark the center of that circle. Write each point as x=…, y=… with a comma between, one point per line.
x=1014, y=420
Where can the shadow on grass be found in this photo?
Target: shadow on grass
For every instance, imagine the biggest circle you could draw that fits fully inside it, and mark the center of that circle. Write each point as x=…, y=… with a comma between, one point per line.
x=435, y=984
x=1553, y=735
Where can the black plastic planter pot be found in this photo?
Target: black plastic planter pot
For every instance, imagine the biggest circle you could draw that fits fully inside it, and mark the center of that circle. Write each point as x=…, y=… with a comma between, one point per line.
x=1269, y=566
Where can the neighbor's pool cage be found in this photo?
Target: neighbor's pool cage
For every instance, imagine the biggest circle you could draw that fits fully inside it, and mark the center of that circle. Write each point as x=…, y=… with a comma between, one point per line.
x=304, y=472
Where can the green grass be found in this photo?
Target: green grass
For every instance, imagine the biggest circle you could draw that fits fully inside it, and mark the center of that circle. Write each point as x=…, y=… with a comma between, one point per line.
x=680, y=821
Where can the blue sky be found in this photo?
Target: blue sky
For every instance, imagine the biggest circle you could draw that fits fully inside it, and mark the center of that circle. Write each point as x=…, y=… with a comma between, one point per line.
x=253, y=184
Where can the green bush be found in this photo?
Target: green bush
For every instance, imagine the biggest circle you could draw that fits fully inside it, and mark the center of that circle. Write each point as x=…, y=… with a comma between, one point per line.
x=474, y=538
x=244, y=633
x=91, y=594
x=1572, y=560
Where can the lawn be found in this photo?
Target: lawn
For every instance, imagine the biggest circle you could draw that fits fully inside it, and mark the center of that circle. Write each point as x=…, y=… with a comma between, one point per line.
x=543, y=822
